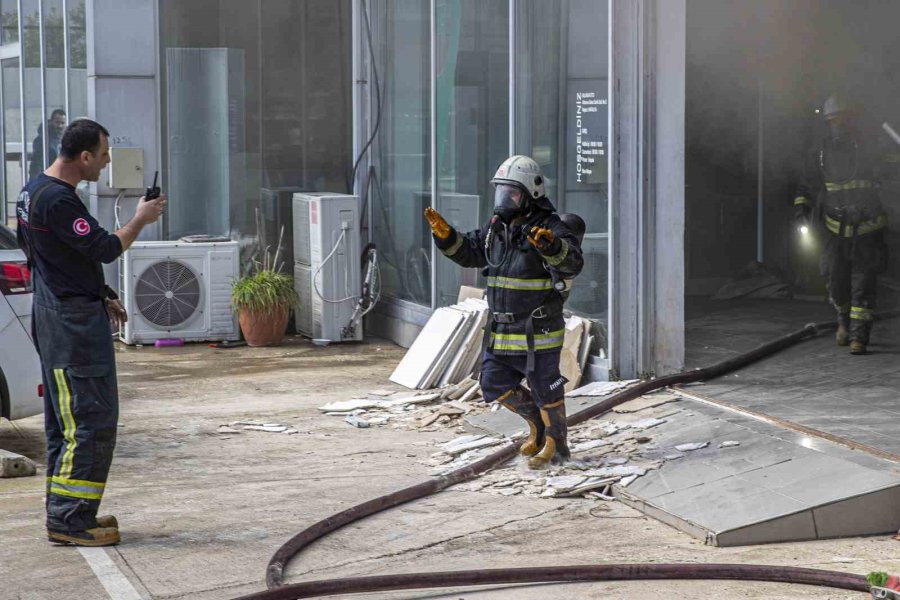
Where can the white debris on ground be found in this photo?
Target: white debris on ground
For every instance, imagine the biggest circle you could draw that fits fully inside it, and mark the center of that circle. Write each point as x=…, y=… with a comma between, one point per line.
x=237, y=427
x=427, y=410
x=690, y=447
x=601, y=388
x=617, y=449
x=614, y=450
x=357, y=422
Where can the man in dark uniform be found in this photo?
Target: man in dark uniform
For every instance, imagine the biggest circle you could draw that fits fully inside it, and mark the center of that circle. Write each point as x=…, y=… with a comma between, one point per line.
x=71, y=316
x=843, y=187
x=528, y=254
x=54, y=129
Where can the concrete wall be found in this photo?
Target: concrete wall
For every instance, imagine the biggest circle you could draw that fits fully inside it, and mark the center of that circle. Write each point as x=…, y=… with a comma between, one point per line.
x=647, y=187
x=669, y=109
x=123, y=95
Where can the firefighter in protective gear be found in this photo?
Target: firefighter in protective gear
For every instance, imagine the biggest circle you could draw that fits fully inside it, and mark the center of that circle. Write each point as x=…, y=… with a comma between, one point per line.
x=842, y=193
x=73, y=311
x=527, y=254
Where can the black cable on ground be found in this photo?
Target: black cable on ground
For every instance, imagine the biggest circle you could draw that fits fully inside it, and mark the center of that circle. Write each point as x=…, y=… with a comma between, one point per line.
x=275, y=571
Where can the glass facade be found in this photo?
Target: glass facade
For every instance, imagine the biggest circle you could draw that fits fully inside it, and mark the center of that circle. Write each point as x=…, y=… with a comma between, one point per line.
x=44, y=80
x=549, y=82
x=472, y=129
x=255, y=105
x=562, y=121
x=402, y=146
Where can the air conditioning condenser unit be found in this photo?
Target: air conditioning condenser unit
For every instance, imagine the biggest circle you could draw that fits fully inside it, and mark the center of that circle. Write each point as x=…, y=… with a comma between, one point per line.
x=179, y=290
x=326, y=265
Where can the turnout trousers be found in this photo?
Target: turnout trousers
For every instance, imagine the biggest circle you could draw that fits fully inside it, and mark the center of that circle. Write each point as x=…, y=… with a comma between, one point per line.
x=501, y=373
x=81, y=406
x=851, y=266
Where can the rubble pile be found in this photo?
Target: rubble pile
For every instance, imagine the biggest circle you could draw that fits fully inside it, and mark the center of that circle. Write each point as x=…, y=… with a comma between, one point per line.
x=616, y=450
x=425, y=410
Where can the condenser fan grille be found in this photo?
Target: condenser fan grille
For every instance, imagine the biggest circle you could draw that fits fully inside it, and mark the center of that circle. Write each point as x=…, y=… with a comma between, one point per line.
x=167, y=293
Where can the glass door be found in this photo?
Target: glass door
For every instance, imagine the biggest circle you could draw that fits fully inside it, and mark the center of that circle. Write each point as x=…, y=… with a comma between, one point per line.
x=472, y=128
x=11, y=169
x=561, y=120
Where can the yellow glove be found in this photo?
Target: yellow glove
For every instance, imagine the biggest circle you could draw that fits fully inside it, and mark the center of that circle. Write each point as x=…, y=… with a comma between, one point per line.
x=439, y=226
x=544, y=240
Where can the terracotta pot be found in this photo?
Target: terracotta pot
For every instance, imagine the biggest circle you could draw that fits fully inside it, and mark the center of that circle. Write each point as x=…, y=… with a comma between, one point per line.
x=264, y=329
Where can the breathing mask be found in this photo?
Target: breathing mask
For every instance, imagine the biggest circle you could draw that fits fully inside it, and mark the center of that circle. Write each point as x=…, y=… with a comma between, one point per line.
x=510, y=201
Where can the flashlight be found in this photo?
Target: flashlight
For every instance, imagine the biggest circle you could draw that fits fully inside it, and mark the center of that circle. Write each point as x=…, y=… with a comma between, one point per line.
x=802, y=224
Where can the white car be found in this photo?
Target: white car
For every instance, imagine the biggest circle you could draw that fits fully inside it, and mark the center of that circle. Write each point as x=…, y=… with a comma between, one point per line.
x=21, y=390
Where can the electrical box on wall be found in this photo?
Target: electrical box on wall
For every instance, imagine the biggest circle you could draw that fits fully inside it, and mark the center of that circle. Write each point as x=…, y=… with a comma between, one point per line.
x=126, y=168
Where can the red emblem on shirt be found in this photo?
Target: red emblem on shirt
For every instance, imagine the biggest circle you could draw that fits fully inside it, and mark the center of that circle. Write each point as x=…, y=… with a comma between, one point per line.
x=81, y=227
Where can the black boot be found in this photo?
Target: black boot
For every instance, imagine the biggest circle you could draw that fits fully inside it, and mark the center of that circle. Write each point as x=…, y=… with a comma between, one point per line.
x=556, y=446
x=98, y=536
x=860, y=329
x=520, y=402
x=842, y=336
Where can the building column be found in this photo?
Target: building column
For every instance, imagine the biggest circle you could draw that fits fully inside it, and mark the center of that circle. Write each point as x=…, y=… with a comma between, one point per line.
x=647, y=49
x=123, y=96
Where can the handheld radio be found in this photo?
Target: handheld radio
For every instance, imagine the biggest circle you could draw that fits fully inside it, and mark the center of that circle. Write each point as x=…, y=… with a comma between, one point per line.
x=153, y=191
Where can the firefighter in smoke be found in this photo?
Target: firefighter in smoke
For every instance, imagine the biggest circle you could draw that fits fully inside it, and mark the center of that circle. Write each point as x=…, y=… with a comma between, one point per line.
x=528, y=254
x=842, y=190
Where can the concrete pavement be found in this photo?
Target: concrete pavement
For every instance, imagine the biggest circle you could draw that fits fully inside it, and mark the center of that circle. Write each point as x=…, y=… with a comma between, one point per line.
x=202, y=512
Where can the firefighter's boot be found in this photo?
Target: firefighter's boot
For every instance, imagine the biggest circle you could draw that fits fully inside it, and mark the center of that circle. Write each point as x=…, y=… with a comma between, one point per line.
x=108, y=521
x=556, y=447
x=99, y=536
x=842, y=336
x=103, y=521
x=520, y=402
x=858, y=348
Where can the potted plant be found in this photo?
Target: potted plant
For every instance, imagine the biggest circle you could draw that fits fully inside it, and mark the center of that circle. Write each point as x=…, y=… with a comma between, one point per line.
x=263, y=301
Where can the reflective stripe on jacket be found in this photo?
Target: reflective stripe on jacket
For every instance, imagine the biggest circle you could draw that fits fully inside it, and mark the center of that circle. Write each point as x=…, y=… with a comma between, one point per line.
x=520, y=280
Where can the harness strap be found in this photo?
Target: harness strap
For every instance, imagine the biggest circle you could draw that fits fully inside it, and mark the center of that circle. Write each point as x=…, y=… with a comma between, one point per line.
x=540, y=312
x=485, y=343
x=529, y=337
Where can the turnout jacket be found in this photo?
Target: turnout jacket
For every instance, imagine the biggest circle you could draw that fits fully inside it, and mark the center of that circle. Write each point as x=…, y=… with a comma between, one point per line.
x=842, y=184
x=521, y=291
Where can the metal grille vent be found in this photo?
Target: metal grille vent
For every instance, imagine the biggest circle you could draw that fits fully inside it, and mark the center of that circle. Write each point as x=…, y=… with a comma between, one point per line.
x=167, y=293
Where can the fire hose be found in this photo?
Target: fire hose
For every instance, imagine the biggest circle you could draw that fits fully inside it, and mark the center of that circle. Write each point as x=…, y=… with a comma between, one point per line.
x=606, y=572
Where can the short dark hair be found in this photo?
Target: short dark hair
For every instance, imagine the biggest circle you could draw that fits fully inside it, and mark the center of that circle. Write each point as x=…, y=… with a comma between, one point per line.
x=81, y=135
x=57, y=111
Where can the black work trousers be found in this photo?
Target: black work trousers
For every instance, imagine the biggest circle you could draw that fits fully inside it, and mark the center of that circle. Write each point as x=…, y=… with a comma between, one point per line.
x=851, y=266
x=81, y=405
x=501, y=373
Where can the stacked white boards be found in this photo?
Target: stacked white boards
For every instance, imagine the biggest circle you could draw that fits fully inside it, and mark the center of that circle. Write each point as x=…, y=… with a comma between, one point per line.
x=446, y=349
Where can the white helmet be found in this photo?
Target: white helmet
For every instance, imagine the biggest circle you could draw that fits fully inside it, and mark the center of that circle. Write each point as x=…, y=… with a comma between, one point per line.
x=522, y=171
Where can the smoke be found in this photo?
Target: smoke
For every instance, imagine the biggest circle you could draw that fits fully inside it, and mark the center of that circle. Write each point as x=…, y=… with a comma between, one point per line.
x=798, y=52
